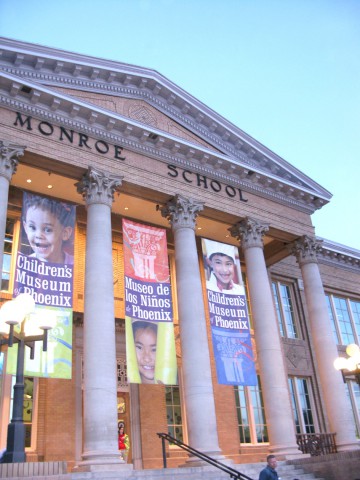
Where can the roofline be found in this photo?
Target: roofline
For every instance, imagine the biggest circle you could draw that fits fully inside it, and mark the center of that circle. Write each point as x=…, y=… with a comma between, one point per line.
x=29, y=64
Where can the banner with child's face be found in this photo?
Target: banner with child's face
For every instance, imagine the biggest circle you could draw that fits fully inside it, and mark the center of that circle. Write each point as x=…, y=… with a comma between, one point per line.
x=44, y=269
x=150, y=343
x=229, y=320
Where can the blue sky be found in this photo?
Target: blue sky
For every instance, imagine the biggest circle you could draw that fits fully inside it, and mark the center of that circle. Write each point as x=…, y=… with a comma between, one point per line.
x=287, y=72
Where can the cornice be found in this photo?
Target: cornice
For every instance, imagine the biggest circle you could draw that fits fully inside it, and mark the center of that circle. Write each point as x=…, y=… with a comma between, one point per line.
x=60, y=109
x=181, y=114
x=337, y=255
x=56, y=67
x=225, y=139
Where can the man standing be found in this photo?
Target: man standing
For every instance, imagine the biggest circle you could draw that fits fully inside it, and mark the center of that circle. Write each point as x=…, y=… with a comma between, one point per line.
x=269, y=472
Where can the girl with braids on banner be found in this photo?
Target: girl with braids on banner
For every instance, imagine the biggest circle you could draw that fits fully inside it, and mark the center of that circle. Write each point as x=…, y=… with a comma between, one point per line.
x=145, y=339
x=48, y=225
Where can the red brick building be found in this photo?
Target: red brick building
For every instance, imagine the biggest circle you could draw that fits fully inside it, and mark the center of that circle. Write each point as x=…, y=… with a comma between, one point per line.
x=140, y=146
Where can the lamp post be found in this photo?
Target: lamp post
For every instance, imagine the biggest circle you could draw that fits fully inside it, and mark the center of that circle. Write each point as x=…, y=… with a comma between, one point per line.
x=350, y=367
x=21, y=311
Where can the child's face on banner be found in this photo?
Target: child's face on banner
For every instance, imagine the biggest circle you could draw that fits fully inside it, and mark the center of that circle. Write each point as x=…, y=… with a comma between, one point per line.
x=223, y=268
x=46, y=234
x=145, y=346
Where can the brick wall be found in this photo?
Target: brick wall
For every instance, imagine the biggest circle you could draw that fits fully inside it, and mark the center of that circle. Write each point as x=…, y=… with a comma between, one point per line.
x=339, y=466
x=152, y=421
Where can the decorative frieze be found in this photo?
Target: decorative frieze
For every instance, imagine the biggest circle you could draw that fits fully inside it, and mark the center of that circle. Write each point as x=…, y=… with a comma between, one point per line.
x=239, y=176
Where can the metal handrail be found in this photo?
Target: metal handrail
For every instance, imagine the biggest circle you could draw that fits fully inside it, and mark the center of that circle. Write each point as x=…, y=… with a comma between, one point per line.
x=211, y=461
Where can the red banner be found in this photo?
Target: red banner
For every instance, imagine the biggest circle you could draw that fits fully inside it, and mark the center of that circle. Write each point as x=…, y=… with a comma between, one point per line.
x=150, y=343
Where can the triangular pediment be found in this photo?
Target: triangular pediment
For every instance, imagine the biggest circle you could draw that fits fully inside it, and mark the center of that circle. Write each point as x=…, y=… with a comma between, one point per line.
x=138, y=110
x=143, y=111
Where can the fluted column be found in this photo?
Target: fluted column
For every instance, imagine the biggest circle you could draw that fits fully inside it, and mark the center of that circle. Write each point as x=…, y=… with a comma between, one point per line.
x=336, y=403
x=268, y=343
x=9, y=155
x=199, y=395
x=100, y=387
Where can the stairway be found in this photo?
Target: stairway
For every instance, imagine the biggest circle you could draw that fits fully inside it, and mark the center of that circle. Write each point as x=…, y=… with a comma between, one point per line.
x=285, y=471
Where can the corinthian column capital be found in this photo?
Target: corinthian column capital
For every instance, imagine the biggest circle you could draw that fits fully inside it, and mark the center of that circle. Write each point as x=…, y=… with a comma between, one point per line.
x=249, y=232
x=305, y=249
x=9, y=158
x=98, y=187
x=181, y=212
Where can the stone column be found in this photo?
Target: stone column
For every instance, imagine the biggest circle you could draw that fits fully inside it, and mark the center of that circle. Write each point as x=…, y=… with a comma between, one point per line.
x=100, y=386
x=273, y=375
x=337, y=405
x=199, y=396
x=9, y=154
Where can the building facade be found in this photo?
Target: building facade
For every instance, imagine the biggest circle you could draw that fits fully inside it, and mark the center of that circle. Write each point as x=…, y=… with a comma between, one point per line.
x=120, y=141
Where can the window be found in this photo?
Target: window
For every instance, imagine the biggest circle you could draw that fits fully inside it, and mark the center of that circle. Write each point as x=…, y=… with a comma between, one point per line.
x=28, y=404
x=345, y=317
x=8, y=251
x=301, y=401
x=332, y=318
x=284, y=309
x=173, y=412
x=353, y=392
x=122, y=381
x=355, y=312
x=251, y=414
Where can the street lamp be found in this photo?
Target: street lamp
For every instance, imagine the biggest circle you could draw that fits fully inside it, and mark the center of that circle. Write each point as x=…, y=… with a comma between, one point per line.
x=350, y=367
x=33, y=327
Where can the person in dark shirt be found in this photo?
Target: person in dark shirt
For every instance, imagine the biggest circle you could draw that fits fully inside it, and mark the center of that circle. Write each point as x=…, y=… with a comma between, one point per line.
x=269, y=472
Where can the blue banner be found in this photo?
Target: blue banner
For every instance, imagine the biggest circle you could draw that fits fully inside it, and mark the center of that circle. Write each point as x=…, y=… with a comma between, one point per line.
x=229, y=320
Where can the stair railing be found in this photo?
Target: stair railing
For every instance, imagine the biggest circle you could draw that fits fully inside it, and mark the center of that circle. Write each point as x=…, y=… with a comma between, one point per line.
x=317, y=443
x=211, y=461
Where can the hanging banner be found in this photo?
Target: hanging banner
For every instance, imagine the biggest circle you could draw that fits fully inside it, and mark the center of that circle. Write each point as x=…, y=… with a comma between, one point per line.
x=230, y=328
x=150, y=342
x=44, y=269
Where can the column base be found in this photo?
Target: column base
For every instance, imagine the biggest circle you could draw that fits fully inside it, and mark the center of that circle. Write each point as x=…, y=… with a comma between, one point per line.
x=15, y=448
x=346, y=447
x=105, y=467
x=285, y=452
x=101, y=462
x=194, y=461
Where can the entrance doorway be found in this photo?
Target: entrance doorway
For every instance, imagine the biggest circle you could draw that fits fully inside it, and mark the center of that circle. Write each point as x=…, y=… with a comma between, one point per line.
x=123, y=414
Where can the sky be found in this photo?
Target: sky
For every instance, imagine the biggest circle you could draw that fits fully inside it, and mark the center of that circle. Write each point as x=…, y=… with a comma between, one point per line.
x=286, y=72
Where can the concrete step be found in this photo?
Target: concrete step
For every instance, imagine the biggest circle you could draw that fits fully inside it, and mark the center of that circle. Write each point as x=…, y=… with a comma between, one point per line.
x=32, y=469
x=126, y=472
